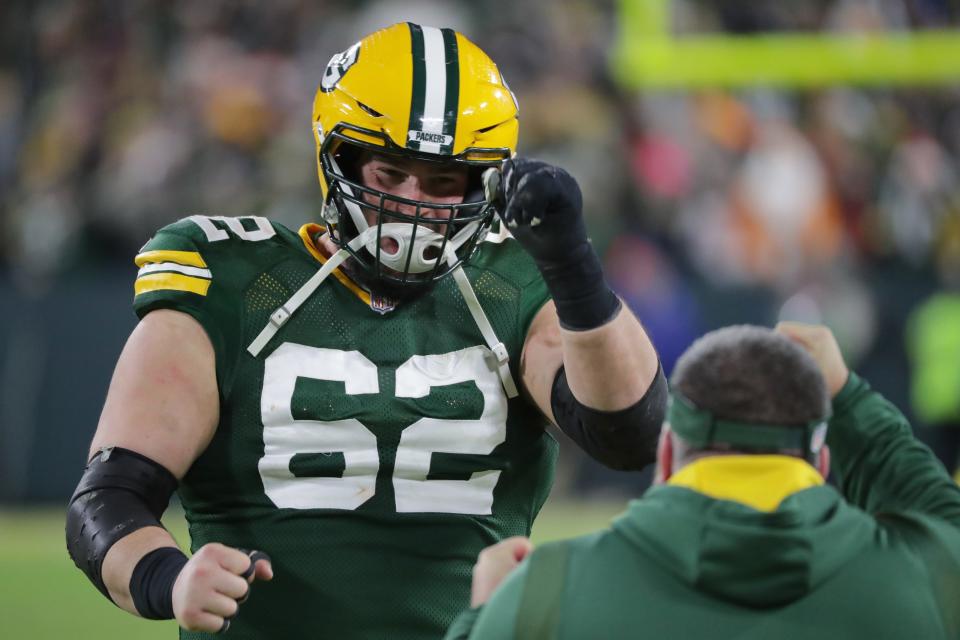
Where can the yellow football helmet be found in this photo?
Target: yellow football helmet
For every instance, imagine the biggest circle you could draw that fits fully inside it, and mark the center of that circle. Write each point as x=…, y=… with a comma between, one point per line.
x=418, y=92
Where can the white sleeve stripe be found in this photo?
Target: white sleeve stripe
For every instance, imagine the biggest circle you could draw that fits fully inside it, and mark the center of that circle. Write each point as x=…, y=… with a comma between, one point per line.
x=173, y=266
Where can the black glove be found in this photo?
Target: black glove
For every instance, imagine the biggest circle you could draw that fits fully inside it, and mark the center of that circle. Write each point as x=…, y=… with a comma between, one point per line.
x=541, y=205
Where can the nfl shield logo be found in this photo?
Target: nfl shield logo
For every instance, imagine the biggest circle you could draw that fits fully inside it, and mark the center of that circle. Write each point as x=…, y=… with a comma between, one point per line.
x=382, y=304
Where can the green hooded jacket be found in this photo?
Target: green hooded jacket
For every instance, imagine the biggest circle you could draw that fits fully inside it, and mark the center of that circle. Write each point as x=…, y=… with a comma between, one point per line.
x=880, y=558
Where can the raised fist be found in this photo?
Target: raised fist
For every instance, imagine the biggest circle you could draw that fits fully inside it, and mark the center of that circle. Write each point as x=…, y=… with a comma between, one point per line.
x=542, y=206
x=820, y=343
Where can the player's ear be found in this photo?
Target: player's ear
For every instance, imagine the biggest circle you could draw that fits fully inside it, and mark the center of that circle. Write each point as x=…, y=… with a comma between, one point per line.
x=664, y=455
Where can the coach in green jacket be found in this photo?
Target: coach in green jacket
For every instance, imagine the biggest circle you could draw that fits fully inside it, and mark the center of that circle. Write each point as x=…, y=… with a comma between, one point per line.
x=741, y=538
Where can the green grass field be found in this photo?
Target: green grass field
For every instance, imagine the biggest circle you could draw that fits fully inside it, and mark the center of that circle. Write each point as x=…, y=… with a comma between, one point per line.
x=44, y=597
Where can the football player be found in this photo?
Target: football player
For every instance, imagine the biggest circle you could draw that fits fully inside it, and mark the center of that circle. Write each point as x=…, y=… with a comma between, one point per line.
x=359, y=408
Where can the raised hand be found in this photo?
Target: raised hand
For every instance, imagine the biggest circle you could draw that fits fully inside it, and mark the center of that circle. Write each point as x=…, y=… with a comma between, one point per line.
x=820, y=343
x=542, y=206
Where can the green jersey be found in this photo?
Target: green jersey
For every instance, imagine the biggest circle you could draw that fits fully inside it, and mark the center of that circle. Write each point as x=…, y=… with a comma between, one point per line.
x=879, y=558
x=372, y=456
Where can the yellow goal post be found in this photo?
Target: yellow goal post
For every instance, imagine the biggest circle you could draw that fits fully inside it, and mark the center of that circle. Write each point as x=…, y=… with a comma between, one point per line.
x=646, y=55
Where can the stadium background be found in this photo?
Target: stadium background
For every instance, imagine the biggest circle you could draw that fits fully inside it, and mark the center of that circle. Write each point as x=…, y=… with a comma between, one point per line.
x=740, y=161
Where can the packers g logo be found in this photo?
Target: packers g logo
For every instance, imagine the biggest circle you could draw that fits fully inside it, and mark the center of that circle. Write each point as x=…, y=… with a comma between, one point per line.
x=338, y=66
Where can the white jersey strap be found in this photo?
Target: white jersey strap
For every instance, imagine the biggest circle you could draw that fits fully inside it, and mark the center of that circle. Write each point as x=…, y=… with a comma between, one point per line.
x=498, y=348
x=279, y=317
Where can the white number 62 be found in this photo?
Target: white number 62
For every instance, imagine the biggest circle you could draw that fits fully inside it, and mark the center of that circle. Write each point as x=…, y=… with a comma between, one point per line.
x=284, y=436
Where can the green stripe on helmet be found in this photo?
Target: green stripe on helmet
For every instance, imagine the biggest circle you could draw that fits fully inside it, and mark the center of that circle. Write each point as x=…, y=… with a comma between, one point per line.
x=419, y=95
x=452, y=100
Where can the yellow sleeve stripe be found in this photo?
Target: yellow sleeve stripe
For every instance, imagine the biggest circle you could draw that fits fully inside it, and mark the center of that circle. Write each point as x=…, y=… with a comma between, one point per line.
x=186, y=258
x=170, y=282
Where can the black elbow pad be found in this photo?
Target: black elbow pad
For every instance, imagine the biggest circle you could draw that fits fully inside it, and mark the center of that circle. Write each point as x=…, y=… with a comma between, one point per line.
x=120, y=491
x=624, y=440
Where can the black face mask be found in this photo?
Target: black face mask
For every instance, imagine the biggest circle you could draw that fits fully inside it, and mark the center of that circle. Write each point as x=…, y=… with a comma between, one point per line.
x=415, y=266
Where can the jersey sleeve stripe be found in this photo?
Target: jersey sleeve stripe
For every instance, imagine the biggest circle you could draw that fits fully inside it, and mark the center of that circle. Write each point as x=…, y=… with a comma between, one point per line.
x=173, y=266
x=186, y=258
x=170, y=282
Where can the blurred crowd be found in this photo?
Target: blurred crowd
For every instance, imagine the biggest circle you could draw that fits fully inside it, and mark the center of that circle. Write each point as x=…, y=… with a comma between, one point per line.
x=839, y=205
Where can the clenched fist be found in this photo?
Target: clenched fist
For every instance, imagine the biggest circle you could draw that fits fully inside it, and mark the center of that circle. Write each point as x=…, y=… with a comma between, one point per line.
x=542, y=206
x=820, y=343
x=217, y=579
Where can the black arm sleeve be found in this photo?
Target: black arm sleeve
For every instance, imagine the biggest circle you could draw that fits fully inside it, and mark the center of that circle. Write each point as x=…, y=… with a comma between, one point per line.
x=623, y=440
x=120, y=491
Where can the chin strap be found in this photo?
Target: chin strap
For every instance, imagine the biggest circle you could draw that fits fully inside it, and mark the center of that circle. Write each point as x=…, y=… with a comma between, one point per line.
x=498, y=348
x=280, y=317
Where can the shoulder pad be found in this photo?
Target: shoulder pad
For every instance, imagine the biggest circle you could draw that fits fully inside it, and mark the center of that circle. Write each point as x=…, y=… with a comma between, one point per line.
x=210, y=229
x=178, y=257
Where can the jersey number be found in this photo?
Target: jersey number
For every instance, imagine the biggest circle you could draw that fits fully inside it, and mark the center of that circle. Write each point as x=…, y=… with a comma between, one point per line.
x=284, y=436
x=215, y=233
